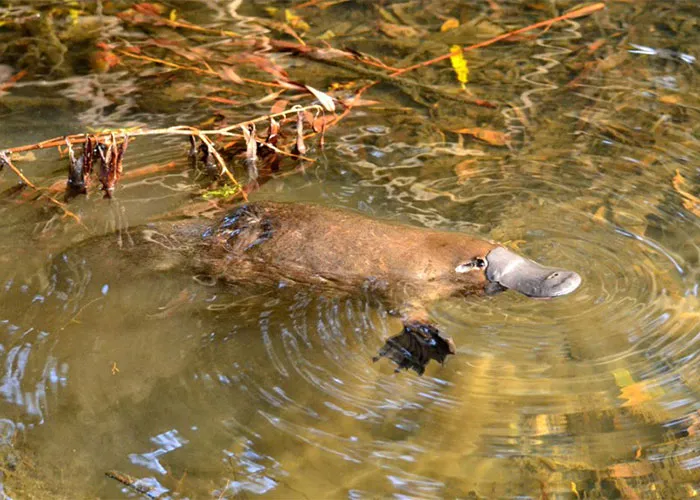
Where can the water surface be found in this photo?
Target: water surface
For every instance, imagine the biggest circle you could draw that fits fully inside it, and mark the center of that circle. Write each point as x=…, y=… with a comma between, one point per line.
x=204, y=391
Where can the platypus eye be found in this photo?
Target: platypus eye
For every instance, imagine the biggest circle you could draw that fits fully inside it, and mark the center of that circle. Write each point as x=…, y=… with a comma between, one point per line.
x=474, y=264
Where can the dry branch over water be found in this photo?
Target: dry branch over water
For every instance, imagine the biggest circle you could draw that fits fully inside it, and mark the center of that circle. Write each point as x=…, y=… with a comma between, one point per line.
x=223, y=58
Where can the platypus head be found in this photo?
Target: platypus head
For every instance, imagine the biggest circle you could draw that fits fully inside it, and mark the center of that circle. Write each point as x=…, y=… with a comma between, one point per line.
x=506, y=270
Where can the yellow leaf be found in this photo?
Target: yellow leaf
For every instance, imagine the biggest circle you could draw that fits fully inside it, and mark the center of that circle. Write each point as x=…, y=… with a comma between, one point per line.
x=459, y=63
x=173, y=15
x=295, y=21
x=574, y=490
x=272, y=10
x=74, y=14
x=600, y=214
x=623, y=378
x=450, y=24
x=635, y=394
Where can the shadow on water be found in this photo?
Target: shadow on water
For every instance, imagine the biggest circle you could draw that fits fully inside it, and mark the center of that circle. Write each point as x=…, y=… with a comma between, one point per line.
x=199, y=389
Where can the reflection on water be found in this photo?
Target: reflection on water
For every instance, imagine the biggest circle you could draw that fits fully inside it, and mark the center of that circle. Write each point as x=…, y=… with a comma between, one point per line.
x=202, y=390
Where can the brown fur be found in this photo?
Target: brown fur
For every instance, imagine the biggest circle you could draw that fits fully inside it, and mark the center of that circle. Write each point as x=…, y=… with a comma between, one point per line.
x=342, y=250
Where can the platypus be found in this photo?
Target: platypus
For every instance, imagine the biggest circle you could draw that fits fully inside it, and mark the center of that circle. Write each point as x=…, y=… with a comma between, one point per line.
x=336, y=249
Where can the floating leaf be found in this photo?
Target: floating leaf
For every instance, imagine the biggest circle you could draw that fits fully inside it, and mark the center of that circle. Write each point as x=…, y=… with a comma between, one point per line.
x=459, y=63
x=450, y=24
x=325, y=100
x=493, y=137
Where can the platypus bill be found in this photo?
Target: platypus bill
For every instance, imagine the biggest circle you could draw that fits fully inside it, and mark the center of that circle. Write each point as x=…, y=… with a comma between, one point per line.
x=327, y=248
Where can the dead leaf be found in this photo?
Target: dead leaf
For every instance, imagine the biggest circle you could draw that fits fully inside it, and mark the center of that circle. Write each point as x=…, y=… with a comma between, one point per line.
x=221, y=100
x=690, y=201
x=599, y=215
x=450, y=24
x=325, y=100
x=320, y=123
x=149, y=9
x=493, y=137
x=266, y=65
x=279, y=106
x=398, y=31
x=635, y=394
x=670, y=99
x=592, y=47
x=355, y=102
x=465, y=170
x=227, y=73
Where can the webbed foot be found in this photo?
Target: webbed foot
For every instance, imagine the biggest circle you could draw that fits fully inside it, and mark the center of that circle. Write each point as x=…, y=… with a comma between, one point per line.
x=415, y=346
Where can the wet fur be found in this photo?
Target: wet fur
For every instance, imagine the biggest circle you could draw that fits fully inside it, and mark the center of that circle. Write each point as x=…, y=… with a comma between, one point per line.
x=342, y=250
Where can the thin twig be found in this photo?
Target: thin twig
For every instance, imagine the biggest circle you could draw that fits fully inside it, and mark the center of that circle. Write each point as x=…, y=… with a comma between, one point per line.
x=584, y=11
x=177, y=130
x=222, y=164
x=130, y=482
x=194, y=69
x=267, y=117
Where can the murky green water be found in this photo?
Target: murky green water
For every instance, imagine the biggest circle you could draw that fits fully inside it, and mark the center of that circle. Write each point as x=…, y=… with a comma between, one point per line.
x=221, y=392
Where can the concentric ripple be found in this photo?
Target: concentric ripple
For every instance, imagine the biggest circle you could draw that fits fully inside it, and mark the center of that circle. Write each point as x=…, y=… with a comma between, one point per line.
x=200, y=389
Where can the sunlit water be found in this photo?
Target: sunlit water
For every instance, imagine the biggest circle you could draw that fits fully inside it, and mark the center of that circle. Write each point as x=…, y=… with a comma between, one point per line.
x=218, y=391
